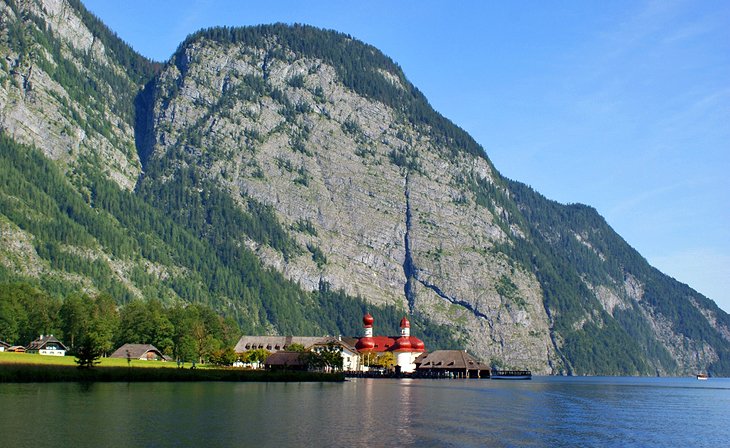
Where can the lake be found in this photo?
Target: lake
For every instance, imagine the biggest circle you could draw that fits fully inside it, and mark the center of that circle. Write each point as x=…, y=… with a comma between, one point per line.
x=544, y=412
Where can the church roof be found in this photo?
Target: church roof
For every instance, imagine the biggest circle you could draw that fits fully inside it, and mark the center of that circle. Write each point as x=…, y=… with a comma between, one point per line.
x=381, y=344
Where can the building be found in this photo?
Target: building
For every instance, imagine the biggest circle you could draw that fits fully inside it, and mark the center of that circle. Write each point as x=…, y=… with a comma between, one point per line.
x=144, y=352
x=3, y=345
x=283, y=360
x=405, y=347
x=275, y=344
x=355, y=350
x=47, y=345
x=350, y=356
x=455, y=363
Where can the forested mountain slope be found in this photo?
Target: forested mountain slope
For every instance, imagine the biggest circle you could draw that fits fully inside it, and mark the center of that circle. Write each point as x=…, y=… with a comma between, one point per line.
x=292, y=178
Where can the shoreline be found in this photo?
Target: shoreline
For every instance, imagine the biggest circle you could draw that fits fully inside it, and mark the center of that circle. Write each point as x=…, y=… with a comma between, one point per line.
x=37, y=373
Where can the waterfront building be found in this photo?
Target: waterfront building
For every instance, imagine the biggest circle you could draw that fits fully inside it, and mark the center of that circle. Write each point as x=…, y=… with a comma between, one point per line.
x=453, y=363
x=405, y=347
x=356, y=351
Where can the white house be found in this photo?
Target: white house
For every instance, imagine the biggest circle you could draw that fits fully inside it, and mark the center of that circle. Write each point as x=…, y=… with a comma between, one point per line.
x=47, y=345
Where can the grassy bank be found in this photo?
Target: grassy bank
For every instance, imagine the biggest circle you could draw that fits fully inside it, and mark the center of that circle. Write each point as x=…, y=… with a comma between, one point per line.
x=25, y=368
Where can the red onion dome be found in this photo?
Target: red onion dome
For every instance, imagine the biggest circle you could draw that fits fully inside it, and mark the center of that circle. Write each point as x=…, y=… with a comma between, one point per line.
x=417, y=344
x=368, y=320
x=404, y=323
x=364, y=344
x=402, y=344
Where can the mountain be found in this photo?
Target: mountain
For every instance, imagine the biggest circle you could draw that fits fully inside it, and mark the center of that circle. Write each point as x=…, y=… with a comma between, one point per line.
x=293, y=178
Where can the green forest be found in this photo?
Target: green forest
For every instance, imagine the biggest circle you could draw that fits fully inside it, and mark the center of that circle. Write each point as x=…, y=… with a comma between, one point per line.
x=201, y=243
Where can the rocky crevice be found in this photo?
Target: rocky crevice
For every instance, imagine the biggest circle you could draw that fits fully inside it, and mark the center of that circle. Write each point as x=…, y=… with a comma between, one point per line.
x=144, y=137
x=408, y=268
x=462, y=303
x=553, y=340
x=411, y=272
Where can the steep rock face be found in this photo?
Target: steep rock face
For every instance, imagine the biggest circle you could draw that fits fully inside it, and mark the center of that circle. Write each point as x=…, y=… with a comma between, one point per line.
x=386, y=205
x=57, y=89
x=67, y=87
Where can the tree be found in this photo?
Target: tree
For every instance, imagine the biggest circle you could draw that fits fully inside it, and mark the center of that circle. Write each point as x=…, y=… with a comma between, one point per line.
x=75, y=316
x=295, y=347
x=257, y=355
x=89, y=351
x=12, y=319
x=385, y=360
x=27, y=312
x=146, y=323
x=223, y=357
x=313, y=360
x=185, y=349
x=105, y=322
x=328, y=357
x=332, y=356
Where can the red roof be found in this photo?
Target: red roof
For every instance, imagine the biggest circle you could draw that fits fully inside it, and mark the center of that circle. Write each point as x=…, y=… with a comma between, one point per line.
x=403, y=344
x=380, y=344
x=404, y=323
x=368, y=320
x=365, y=344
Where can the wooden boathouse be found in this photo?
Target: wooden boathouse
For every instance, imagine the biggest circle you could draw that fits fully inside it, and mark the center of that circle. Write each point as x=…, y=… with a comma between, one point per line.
x=450, y=364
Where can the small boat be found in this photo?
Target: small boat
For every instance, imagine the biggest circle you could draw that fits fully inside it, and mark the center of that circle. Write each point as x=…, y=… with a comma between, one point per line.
x=703, y=376
x=511, y=375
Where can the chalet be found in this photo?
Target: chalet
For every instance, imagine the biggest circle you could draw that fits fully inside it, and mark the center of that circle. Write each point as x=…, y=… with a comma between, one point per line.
x=457, y=363
x=3, y=346
x=47, y=345
x=144, y=352
x=15, y=349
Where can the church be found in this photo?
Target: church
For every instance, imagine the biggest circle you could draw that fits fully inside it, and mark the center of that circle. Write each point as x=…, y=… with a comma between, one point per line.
x=405, y=347
x=355, y=350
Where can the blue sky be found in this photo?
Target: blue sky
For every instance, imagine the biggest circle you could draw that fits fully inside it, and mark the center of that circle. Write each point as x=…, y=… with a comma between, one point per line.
x=621, y=105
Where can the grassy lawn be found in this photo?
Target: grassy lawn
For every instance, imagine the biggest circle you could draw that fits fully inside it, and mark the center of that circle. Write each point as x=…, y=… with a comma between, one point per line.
x=27, y=358
x=23, y=367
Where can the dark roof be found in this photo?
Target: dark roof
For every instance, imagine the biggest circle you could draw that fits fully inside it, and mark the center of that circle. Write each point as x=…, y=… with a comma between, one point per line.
x=4, y=344
x=285, y=359
x=136, y=351
x=42, y=341
x=281, y=343
x=349, y=340
x=450, y=359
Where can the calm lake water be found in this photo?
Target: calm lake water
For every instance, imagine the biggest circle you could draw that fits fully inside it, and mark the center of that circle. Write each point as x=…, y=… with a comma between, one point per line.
x=641, y=412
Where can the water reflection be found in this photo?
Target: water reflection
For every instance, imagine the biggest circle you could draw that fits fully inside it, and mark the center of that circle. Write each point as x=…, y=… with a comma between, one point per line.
x=406, y=409
x=370, y=412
